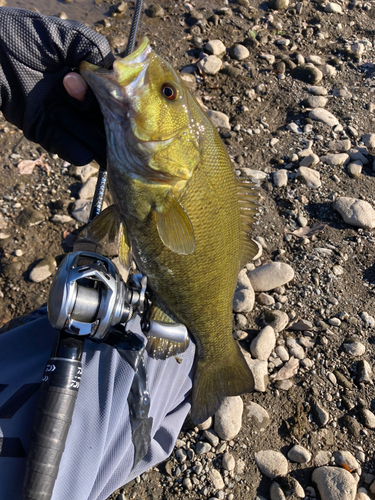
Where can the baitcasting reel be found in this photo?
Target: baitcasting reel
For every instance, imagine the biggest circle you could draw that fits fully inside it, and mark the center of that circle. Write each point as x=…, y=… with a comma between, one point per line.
x=88, y=297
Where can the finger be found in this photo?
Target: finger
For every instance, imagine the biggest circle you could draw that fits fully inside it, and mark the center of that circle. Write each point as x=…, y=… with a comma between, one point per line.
x=75, y=85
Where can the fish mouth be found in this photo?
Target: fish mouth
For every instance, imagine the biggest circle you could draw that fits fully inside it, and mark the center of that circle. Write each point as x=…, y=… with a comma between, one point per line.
x=127, y=74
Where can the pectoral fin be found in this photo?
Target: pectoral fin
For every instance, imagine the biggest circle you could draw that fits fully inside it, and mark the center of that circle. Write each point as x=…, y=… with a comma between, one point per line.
x=106, y=223
x=124, y=250
x=174, y=227
x=161, y=348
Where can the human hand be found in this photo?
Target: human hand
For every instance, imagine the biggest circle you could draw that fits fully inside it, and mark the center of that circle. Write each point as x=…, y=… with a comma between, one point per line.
x=36, y=53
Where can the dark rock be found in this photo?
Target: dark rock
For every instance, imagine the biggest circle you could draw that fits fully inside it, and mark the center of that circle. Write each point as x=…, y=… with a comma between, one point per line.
x=250, y=43
x=353, y=426
x=307, y=74
x=29, y=217
x=231, y=71
x=11, y=269
x=155, y=10
x=342, y=380
x=279, y=67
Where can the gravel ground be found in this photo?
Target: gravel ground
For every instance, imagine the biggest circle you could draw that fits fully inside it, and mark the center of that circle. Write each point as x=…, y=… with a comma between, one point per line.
x=298, y=97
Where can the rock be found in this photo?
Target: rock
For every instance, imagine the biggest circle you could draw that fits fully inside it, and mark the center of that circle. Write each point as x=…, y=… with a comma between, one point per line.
x=61, y=219
x=316, y=101
x=11, y=269
x=353, y=426
x=211, y=437
x=258, y=417
x=357, y=155
x=342, y=380
x=324, y=116
x=337, y=159
x=81, y=210
x=244, y=296
x=319, y=413
x=228, y=461
x=299, y=454
x=270, y=276
x=43, y=270
x=265, y=299
x=309, y=160
x=355, y=212
x=279, y=4
x=293, y=127
x=84, y=173
x=205, y=425
x=288, y=370
x=155, y=11
x=367, y=418
x=322, y=458
x=29, y=217
x=259, y=370
x=218, y=119
x=314, y=60
x=87, y=191
x=228, y=418
x=307, y=74
x=354, y=169
x=210, y=65
x=282, y=353
x=334, y=483
x=309, y=176
x=295, y=349
x=354, y=348
x=255, y=175
x=239, y=52
x=329, y=71
x=368, y=320
x=333, y=8
x=263, y=344
x=276, y=493
x=343, y=458
x=280, y=178
x=271, y=463
x=277, y=319
x=315, y=90
x=362, y=496
x=217, y=480
x=270, y=58
x=369, y=140
x=181, y=455
x=201, y=448
x=190, y=81
x=364, y=372
x=340, y=145
x=215, y=48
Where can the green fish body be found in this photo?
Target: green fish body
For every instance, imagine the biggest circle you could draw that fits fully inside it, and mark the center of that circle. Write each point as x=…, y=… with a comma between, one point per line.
x=183, y=215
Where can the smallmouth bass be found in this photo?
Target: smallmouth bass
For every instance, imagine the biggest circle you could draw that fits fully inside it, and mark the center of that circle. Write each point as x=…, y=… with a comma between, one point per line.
x=180, y=213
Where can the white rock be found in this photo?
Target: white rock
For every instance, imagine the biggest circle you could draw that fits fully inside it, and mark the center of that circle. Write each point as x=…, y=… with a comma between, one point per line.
x=218, y=119
x=295, y=349
x=270, y=58
x=293, y=127
x=316, y=90
x=333, y=8
x=240, y=52
x=265, y=299
x=316, y=101
x=369, y=140
x=324, y=116
x=43, y=270
x=329, y=70
x=345, y=457
x=228, y=418
x=259, y=370
x=354, y=348
x=87, y=171
x=61, y=219
x=368, y=320
x=309, y=160
x=215, y=47
x=355, y=212
x=270, y=276
x=258, y=417
x=244, y=296
x=309, y=176
x=322, y=458
x=217, y=480
x=81, y=210
x=263, y=344
x=337, y=159
x=368, y=418
x=288, y=370
x=299, y=454
x=254, y=175
x=314, y=59
x=276, y=493
x=228, y=461
x=271, y=463
x=277, y=319
x=282, y=353
x=362, y=496
x=280, y=178
x=87, y=191
x=334, y=483
x=210, y=65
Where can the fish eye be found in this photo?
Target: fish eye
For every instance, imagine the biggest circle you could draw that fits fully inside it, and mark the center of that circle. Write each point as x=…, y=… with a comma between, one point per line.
x=169, y=91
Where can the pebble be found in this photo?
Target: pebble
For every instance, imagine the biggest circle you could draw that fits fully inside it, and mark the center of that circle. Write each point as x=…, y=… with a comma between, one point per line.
x=259, y=370
x=30, y=217
x=263, y=344
x=288, y=370
x=217, y=480
x=345, y=458
x=228, y=461
x=340, y=145
x=11, y=269
x=215, y=48
x=279, y=4
x=43, y=270
x=61, y=219
x=282, y=353
x=342, y=380
x=210, y=65
x=269, y=276
x=299, y=454
x=367, y=418
x=280, y=178
x=333, y=8
x=211, y=436
x=355, y=212
x=276, y=493
x=316, y=90
x=239, y=52
x=322, y=458
x=270, y=58
x=354, y=169
x=334, y=483
x=314, y=60
x=244, y=296
x=18, y=252
x=284, y=385
x=265, y=299
x=329, y=71
x=324, y=116
x=228, y=418
x=316, y=101
x=320, y=414
x=309, y=176
x=368, y=320
x=155, y=10
x=335, y=159
x=362, y=496
x=309, y=160
x=181, y=455
x=307, y=73
x=277, y=319
x=364, y=372
x=293, y=127
x=201, y=448
x=86, y=171
x=354, y=348
x=271, y=463
x=334, y=321
x=357, y=155
x=87, y=191
x=258, y=417
x=295, y=349
x=369, y=140
x=353, y=426
x=205, y=425
x=218, y=119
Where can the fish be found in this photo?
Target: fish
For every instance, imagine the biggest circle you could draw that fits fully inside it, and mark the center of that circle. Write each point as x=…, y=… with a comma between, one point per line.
x=180, y=214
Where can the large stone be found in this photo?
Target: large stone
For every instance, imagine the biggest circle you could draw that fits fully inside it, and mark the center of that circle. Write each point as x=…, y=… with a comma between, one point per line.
x=215, y=48
x=334, y=483
x=258, y=417
x=210, y=65
x=335, y=159
x=307, y=73
x=43, y=270
x=324, y=116
x=219, y=119
x=270, y=276
x=87, y=191
x=228, y=418
x=263, y=344
x=309, y=176
x=355, y=212
x=271, y=463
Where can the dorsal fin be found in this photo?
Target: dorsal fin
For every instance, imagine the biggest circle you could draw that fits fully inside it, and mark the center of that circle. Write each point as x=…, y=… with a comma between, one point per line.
x=248, y=197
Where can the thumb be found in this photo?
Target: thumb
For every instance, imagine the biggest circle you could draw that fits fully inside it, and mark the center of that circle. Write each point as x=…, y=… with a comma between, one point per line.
x=75, y=85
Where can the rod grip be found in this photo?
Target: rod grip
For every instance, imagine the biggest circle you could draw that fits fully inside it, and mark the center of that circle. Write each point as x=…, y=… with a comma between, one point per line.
x=53, y=416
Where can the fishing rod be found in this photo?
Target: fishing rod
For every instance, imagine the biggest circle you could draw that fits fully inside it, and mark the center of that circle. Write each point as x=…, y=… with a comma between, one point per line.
x=87, y=298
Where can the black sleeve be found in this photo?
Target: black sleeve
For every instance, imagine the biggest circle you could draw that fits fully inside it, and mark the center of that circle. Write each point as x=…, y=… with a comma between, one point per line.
x=35, y=53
